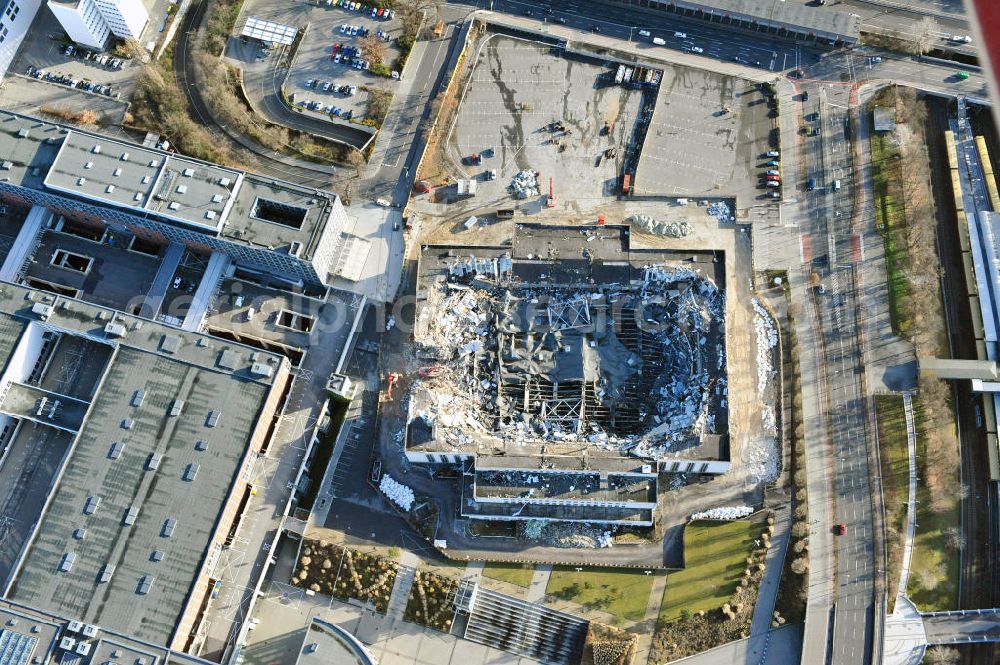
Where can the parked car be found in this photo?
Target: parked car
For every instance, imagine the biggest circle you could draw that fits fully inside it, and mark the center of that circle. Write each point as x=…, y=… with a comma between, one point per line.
x=383, y=203
x=773, y=153
x=811, y=184
x=680, y=35
x=840, y=529
x=644, y=33
x=326, y=86
x=697, y=49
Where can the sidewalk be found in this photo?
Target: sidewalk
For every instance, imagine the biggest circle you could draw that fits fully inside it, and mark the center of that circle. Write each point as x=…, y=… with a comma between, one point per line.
x=647, y=627
x=911, y=501
x=536, y=592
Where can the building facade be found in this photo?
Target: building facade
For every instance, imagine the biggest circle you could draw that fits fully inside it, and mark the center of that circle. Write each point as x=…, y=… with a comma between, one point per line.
x=15, y=21
x=82, y=22
x=91, y=22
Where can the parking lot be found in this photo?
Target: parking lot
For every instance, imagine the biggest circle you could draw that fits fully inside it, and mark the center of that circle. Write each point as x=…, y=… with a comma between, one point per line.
x=111, y=76
x=518, y=89
x=327, y=78
x=707, y=137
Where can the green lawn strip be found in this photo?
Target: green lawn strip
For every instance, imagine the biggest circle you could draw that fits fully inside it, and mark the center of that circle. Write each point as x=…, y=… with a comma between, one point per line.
x=894, y=458
x=519, y=574
x=890, y=220
x=934, y=572
x=715, y=554
x=623, y=593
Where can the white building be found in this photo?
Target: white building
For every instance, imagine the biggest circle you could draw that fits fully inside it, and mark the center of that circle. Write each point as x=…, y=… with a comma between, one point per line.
x=90, y=22
x=16, y=17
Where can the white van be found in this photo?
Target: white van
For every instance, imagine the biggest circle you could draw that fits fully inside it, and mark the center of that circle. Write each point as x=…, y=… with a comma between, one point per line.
x=659, y=42
x=644, y=33
x=681, y=35
x=250, y=313
x=836, y=185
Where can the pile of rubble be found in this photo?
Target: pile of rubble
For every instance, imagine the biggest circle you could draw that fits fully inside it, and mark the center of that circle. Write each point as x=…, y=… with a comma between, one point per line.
x=524, y=185
x=399, y=494
x=658, y=227
x=760, y=458
x=566, y=534
x=724, y=513
x=722, y=212
x=468, y=323
x=767, y=339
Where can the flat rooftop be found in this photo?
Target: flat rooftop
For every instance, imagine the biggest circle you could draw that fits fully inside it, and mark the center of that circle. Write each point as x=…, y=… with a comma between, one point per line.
x=117, y=173
x=236, y=205
x=163, y=441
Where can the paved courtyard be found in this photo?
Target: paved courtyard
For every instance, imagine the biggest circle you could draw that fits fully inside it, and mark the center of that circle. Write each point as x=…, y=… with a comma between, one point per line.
x=517, y=88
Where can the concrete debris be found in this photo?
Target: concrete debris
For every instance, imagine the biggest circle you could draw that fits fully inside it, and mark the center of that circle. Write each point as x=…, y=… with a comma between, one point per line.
x=399, y=494
x=767, y=339
x=724, y=513
x=524, y=185
x=493, y=342
x=567, y=534
x=760, y=458
x=658, y=227
x=722, y=212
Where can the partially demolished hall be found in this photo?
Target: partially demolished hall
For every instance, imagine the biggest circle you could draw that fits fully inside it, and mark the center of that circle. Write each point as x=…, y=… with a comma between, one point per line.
x=566, y=370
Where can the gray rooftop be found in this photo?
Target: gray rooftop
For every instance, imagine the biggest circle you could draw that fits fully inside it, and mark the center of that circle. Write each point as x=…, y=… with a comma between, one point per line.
x=824, y=21
x=198, y=463
x=248, y=209
x=124, y=174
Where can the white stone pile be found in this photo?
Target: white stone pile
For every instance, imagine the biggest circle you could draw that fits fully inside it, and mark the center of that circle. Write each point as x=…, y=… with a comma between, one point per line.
x=760, y=458
x=721, y=211
x=524, y=185
x=398, y=493
x=767, y=339
x=724, y=513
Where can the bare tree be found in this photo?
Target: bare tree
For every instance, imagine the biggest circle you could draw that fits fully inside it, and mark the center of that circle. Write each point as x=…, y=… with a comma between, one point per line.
x=942, y=656
x=924, y=35
x=373, y=49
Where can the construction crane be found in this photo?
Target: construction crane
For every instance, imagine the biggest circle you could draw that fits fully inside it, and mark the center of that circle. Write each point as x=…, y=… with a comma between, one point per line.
x=551, y=201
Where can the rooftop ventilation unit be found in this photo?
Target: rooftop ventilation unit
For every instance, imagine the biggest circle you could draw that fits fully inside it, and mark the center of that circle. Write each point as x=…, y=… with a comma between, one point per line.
x=23, y=133
x=217, y=198
x=116, y=450
x=96, y=150
x=175, y=407
x=83, y=648
x=191, y=472
x=109, y=189
x=169, y=525
x=66, y=564
x=156, y=556
x=67, y=643
x=90, y=630
x=124, y=156
x=181, y=189
x=262, y=370
x=173, y=205
x=127, y=423
x=88, y=165
x=117, y=172
x=145, y=583
x=153, y=163
x=201, y=444
x=107, y=570
x=6, y=165
x=42, y=309
x=153, y=463
x=137, y=397
x=213, y=419
x=130, y=516
x=80, y=182
x=137, y=197
x=295, y=249
x=74, y=627
x=224, y=182
x=79, y=534
x=188, y=173
x=145, y=179
x=90, y=507
x=115, y=329
x=209, y=214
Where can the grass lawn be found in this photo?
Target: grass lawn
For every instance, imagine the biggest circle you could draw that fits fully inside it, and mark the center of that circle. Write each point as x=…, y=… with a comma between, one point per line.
x=514, y=573
x=715, y=554
x=890, y=220
x=933, y=583
x=623, y=593
x=891, y=421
